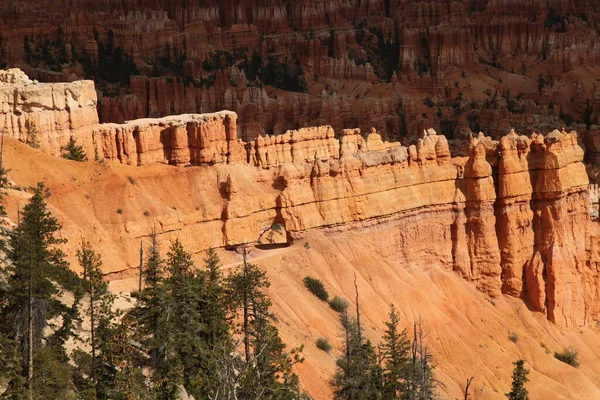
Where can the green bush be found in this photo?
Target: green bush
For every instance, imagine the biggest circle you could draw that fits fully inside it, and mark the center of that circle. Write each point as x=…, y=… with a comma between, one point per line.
x=316, y=287
x=323, y=344
x=120, y=211
x=339, y=304
x=569, y=356
x=513, y=337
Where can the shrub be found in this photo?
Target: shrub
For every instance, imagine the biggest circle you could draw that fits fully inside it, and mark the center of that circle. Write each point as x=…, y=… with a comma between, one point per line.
x=316, y=287
x=131, y=180
x=147, y=213
x=428, y=102
x=323, y=344
x=120, y=211
x=513, y=337
x=569, y=356
x=338, y=304
x=307, y=246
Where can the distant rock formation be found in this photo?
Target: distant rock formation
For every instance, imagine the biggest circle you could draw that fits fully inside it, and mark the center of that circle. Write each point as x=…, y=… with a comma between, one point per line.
x=360, y=59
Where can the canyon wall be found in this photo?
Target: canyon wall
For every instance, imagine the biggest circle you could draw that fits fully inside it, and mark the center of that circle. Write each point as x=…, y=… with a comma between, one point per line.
x=174, y=57
x=46, y=115
x=511, y=216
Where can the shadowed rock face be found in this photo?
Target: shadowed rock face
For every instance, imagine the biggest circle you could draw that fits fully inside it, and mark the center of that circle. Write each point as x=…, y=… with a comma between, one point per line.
x=513, y=216
x=366, y=63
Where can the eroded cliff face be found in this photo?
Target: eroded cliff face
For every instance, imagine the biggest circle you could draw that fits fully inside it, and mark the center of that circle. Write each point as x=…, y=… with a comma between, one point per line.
x=47, y=115
x=513, y=216
x=458, y=60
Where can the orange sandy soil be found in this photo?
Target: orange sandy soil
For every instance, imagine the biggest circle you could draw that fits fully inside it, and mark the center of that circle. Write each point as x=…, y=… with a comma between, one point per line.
x=467, y=332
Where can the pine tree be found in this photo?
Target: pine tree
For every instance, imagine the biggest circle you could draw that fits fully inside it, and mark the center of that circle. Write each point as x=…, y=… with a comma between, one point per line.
x=102, y=322
x=215, y=293
x=38, y=274
x=267, y=367
x=184, y=331
x=123, y=363
x=150, y=305
x=396, y=350
x=74, y=151
x=245, y=291
x=358, y=375
x=519, y=379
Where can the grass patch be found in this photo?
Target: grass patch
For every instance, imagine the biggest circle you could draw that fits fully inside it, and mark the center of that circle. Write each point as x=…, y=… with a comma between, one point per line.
x=316, y=287
x=569, y=356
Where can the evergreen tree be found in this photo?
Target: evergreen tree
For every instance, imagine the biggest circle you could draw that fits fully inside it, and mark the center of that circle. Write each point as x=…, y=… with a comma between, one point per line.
x=267, y=367
x=519, y=379
x=245, y=291
x=149, y=307
x=358, y=375
x=73, y=151
x=103, y=329
x=184, y=345
x=122, y=363
x=38, y=274
x=396, y=356
x=215, y=293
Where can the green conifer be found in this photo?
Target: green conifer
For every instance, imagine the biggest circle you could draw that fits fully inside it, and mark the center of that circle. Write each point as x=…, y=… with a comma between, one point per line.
x=519, y=379
x=74, y=151
x=395, y=356
x=38, y=274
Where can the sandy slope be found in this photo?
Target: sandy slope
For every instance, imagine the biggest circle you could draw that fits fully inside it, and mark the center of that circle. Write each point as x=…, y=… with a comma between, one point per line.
x=467, y=332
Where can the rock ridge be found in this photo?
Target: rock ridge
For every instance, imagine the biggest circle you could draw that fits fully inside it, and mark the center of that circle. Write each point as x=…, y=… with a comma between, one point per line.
x=510, y=217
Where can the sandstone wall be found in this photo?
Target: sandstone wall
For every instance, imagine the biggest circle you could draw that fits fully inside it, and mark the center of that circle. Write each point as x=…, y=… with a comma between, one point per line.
x=47, y=114
x=510, y=217
x=176, y=140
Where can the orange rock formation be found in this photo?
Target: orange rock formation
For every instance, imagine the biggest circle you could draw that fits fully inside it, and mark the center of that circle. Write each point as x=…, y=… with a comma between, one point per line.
x=512, y=217
x=525, y=64
x=48, y=114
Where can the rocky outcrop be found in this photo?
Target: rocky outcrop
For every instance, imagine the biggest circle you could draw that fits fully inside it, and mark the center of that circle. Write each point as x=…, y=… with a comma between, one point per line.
x=47, y=115
x=178, y=140
x=543, y=211
x=510, y=217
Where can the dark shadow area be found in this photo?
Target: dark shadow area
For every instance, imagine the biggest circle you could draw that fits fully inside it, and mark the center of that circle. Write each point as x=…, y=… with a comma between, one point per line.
x=271, y=246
